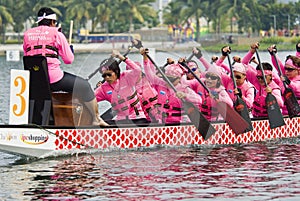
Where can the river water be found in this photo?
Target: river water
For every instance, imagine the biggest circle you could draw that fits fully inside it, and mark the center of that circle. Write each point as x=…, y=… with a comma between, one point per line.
x=259, y=171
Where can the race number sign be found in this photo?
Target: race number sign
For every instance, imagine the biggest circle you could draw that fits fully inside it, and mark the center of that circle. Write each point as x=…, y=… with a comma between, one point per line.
x=19, y=96
x=12, y=55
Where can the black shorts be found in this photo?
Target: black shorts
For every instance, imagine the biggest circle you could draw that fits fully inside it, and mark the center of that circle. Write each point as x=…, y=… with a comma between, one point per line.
x=76, y=85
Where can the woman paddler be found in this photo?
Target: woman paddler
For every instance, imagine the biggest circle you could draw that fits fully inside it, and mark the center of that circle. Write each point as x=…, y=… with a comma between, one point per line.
x=148, y=96
x=217, y=92
x=47, y=40
x=119, y=89
x=255, y=76
x=244, y=89
x=291, y=73
x=170, y=103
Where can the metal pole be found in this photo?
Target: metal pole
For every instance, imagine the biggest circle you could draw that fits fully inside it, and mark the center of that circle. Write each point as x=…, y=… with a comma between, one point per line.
x=274, y=16
x=288, y=27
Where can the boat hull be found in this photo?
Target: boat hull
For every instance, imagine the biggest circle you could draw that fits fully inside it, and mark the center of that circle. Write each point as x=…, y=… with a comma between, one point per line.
x=36, y=141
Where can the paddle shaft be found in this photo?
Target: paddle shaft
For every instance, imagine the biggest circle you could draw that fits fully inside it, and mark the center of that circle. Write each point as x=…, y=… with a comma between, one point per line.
x=71, y=32
x=98, y=69
x=279, y=69
x=231, y=72
x=261, y=68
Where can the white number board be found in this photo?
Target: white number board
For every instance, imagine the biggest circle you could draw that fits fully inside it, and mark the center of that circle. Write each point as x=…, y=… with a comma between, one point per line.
x=19, y=97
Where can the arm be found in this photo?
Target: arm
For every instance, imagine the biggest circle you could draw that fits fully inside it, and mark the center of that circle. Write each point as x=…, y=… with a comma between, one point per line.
x=193, y=97
x=248, y=97
x=64, y=49
x=224, y=97
x=247, y=58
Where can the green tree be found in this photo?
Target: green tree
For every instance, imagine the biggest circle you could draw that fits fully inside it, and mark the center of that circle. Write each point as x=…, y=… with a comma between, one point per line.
x=135, y=10
x=5, y=18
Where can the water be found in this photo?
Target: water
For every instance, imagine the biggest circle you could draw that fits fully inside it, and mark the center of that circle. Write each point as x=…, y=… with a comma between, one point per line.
x=258, y=171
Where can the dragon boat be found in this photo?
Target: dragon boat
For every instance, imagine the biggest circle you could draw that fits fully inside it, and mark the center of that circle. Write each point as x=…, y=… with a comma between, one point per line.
x=46, y=124
x=44, y=141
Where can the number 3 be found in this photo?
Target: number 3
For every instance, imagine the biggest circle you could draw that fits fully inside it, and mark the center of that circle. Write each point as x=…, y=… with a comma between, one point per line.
x=20, y=80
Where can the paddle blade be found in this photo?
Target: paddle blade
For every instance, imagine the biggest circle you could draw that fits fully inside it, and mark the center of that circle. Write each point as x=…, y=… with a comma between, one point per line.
x=291, y=102
x=232, y=118
x=204, y=127
x=241, y=107
x=274, y=113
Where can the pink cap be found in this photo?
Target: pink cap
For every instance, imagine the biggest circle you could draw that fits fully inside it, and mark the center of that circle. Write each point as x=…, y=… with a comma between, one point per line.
x=214, y=69
x=239, y=67
x=174, y=70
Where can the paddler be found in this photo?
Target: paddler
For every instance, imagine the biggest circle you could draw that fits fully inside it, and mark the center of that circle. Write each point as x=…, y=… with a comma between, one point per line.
x=47, y=40
x=119, y=89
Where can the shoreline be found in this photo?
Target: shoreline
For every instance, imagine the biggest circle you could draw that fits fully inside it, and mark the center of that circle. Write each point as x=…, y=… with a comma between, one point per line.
x=108, y=47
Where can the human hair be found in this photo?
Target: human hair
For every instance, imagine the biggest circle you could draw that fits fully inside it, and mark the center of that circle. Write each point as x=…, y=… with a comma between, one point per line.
x=265, y=66
x=295, y=60
x=218, y=83
x=110, y=64
x=45, y=11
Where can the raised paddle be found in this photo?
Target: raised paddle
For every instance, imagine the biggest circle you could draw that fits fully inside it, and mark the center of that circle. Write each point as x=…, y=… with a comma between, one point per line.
x=239, y=104
x=204, y=127
x=273, y=109
x=233, y=119
x=290, y=99
x=98, y=69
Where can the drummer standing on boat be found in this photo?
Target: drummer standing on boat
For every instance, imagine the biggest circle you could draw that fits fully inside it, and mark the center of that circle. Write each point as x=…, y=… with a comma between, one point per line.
x=48, y=41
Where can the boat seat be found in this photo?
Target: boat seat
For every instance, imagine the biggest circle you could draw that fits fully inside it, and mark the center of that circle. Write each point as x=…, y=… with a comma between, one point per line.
x=40, y=101
x=69, y=110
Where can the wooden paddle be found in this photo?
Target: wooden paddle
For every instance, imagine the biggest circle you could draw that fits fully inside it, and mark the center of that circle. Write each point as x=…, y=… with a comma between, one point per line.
x=273, y=109
x=204, y=127
x=233, y=119
x=239, y=104
x=290, y=99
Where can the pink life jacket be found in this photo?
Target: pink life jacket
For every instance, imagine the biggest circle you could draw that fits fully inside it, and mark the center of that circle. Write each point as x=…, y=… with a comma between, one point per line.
x=123, y=98
x=148, y=97
x=208, y=106
x=170, y=107
x=41, y=41
x=259, y=104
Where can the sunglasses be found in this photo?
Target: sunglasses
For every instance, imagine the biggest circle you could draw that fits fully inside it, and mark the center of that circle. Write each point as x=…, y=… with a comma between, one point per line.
x=192, y=69
x=289, y=69
x=238, y=77
x=106, y=74
x=172, y=79
x=212, y=77
x=261, y=77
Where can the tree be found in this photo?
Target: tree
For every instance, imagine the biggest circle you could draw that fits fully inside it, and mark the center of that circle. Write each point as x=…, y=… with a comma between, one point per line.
x=136, y=10
x=5, y=18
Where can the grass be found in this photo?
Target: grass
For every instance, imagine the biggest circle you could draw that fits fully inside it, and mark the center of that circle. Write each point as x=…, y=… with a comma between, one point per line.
x=282, y=43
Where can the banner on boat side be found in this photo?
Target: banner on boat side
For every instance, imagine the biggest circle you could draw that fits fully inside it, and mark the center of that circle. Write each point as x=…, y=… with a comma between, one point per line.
x=19, y=97
x=12, y=55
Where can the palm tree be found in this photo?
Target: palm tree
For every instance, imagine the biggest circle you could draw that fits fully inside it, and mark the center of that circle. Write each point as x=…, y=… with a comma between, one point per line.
x=79, y=10
x=103, y=13
x=5, y=18
x=136, y=10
